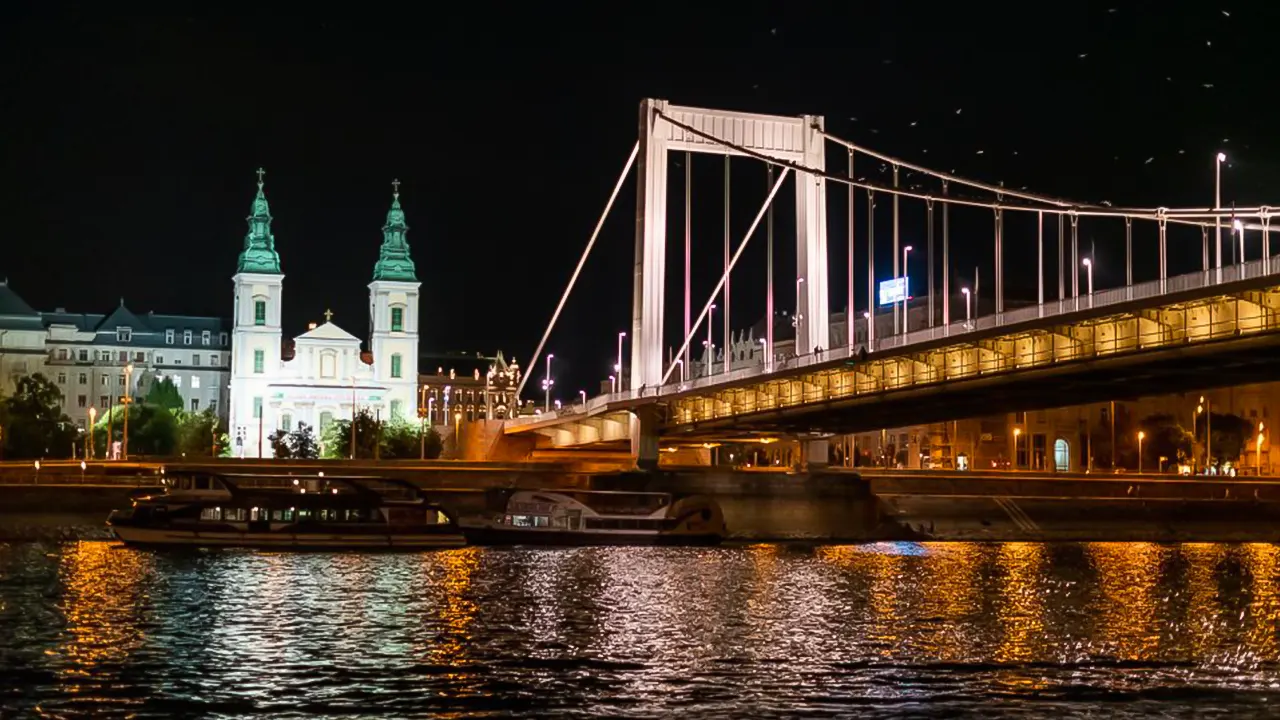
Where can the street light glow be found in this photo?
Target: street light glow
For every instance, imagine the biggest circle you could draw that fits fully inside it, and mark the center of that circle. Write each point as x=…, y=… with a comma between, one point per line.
x=1222, y=157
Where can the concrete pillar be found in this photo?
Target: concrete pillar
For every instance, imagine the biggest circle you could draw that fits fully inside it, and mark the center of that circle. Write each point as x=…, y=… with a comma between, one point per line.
x=816, y=454
x=644, y=437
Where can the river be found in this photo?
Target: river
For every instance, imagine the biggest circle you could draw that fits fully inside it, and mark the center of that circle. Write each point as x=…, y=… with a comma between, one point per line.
x=880, y=630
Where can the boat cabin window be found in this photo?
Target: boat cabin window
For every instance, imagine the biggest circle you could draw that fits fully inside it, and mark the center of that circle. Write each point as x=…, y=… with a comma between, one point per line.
x=282, y=515
x=211, y=514
x=528, y=520
x=626, y=523
x=235, y=514
x=611, y=503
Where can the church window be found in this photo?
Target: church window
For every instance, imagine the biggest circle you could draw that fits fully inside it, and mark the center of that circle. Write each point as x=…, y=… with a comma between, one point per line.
x=206, y=337
x=397, y=410
x=257, y=408
x=186, y=337
x=328, y=365
x=286, y=422
x=168, y=336
x=397, y=320
x=259, y=312
x=395, y=365
x=326, y=419
x=258, y=361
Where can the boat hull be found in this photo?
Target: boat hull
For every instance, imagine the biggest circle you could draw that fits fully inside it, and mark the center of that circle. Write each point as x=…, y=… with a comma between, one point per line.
x=562, y=538
x=170, y=537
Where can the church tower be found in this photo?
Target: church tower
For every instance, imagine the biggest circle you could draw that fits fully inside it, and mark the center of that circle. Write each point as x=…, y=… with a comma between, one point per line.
x=393, y=316
x=256, y=336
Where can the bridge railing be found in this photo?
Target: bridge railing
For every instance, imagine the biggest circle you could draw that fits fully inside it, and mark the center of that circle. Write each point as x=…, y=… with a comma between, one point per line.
x=1103, y=298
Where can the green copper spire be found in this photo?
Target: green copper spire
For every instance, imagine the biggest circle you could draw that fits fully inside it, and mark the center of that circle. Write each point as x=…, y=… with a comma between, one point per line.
x=394, y=262
x=259, y=254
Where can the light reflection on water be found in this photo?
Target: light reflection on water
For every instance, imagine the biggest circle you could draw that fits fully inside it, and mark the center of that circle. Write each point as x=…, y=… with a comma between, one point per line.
x=1014, y=629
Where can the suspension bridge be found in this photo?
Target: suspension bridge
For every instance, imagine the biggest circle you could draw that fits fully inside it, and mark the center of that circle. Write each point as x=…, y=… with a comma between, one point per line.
x=869, y=365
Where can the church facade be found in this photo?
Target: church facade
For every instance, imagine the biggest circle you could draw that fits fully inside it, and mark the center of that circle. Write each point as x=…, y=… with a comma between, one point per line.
x=327, y=376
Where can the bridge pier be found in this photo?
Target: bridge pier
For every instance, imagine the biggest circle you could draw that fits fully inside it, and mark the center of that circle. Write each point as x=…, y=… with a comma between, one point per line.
x=816, y=454
x=644, y=437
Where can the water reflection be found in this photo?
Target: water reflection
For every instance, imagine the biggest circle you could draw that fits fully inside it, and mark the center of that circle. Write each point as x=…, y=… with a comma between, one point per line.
x=1102, y=629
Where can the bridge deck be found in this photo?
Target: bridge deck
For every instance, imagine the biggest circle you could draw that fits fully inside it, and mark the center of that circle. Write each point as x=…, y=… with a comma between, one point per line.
x=1180, y=312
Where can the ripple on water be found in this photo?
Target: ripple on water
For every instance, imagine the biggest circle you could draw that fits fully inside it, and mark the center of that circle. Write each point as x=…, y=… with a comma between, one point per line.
x=895, y=629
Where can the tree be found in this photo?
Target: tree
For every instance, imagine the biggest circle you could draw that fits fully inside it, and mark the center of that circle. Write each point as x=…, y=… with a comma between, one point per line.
x=164, y=394
x=1164, y=437
x=337, y=437
x=1230, y=433
x=400, y=441
x=197, y=433
x=433, y=444
x=301, y=443
x=35, y=425
x=280, y=445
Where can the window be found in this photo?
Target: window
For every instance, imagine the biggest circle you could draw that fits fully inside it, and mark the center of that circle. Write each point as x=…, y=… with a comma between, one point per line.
x=213, y=406
x=84, y=356
x=257, y=408
x=286, y=422
x=326, y=419
x=195, y=382
x=397, y=410
x=105, y=380
x=213, y=359
x=328, y=365
x=84, y=378
x=177, y=380
x=168, y=336
x=397, y=319
x=222, y=339
x=186, y=337
x=120, y=378
x=124, y=334
x=195, y=404
x=195, y=358
x=104, y=402
x=395, y=365
x=124, y=356
x=211, y=514
x=159, y=359
x=259, y=359
x=206, y=337
x=259, y=312
x=63, y=354
x=62, y=378
x=82, y=401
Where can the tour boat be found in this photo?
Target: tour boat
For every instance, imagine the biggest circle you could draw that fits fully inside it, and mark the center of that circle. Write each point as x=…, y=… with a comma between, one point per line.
x=599, y=517
x=217, y=510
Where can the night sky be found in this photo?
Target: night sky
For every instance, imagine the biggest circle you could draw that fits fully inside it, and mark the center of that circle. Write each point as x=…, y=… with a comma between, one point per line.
x=129, y=145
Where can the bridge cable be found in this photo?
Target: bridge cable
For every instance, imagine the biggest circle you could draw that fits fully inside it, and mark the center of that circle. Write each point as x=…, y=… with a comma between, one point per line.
x=533, y=361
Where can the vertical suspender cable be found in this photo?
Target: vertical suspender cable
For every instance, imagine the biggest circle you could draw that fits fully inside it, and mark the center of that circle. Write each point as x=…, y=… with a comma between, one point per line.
x=849, y=313
x=727, y=350
x=768, y=261
x=688, y=252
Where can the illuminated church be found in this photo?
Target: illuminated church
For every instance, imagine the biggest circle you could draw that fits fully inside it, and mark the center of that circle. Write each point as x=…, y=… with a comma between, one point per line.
x=327, y=375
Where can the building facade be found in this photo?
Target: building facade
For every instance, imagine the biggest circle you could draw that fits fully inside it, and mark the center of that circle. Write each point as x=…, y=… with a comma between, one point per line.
x=470, y=388
x=96, y=360
x=323, y=375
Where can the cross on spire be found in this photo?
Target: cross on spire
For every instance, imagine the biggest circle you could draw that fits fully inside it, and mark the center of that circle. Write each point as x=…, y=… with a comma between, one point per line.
x=328, y=315
x=395, y=188
x=261, y=172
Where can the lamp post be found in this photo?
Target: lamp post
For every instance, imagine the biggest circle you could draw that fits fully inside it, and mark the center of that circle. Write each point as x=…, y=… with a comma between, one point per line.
x=1207, y=409
x=431, y=410
x=1141, y=436
x=93, y=416
x=353, y=418
x=1238, y=227
x=1257, y=450
x=871, y=329
x=547, y=382
x=768, y=361
x=906, y=290
x=583, y=394
x=710, y=344
x=1088, y=270
x=799, y=317
x=1217, y=221
x=613, y=382
x=618, y=368
x=1017, y=435
x=968, y=308
x=680, y=362
x=128, y=380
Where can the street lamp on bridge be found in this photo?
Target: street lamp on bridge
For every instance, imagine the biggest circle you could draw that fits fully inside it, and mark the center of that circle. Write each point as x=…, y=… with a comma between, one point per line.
x=968, y=308
x=1141, y=436
x=1238, y=227
x=547, y=382
x=1088, y=268
x=1217, y=221
x=906, y=291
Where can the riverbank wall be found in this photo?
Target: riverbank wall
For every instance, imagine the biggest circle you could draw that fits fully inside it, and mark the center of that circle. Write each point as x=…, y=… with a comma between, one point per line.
x=771, y=506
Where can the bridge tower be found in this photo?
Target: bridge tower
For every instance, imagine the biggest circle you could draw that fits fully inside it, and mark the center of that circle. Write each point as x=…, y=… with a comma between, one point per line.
x=796, y=140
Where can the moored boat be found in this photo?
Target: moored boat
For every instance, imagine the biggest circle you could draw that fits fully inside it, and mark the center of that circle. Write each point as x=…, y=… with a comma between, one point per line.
x=218, y=510
x=599, y=517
